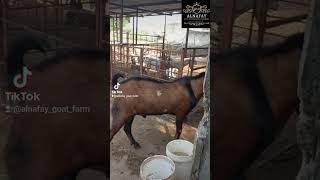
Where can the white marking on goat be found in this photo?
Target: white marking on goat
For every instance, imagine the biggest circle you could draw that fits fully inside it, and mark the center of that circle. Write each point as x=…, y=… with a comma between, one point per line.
x=159, y=93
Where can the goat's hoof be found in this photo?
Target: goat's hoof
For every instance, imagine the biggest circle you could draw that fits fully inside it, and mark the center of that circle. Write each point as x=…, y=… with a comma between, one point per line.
x=136, y=145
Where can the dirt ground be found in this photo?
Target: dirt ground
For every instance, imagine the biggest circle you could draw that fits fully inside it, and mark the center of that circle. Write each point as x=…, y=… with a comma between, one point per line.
x=153, y=133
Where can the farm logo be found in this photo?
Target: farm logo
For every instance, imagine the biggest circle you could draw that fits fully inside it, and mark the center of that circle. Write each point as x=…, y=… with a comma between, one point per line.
x=195, y=14
x=20, y=80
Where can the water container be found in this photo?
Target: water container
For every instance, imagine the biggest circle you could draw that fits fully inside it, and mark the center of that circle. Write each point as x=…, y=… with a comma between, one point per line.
x=157, y=167
x=181, y=152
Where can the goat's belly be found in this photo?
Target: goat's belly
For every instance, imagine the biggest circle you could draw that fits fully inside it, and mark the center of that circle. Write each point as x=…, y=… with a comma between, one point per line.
x=154, y=110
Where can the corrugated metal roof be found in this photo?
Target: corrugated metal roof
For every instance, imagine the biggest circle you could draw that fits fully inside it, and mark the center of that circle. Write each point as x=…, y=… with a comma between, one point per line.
x=145, y=7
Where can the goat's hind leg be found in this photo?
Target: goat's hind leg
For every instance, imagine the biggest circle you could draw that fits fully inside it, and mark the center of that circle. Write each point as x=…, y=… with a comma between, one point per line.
x=179, y=122
x=127, y=130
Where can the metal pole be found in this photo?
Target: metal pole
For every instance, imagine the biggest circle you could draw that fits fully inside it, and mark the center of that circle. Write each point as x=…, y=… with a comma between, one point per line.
x=141, y=61
x=4, y=30
x=4, y=35
x=44, y=18
x=114, y=39
x=102, y=22
x=57, y=11
x=137, y=14
x=192, y=61
x=100, y=25
x=262, y=21
x=36, y=3
x=228, y=12
x=163, y=62
x=128, y=54
x=184, y=53
x=116, y=27
x=251, y=22
x=97, y=23
x=133, y=30
x=121, y=23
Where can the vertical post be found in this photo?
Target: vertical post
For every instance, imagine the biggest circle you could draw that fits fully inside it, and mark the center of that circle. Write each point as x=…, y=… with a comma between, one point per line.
x=121, y=23
x=128, y=54
x=137, y=14
x=251, y=22
x=192, y=60
x=36, y=3
x=116, y=27
x=61, y=12
x=133, y=30
x=97, y=23
x=141, y=61
x=308, y=125
x=44, y=18
x=57, y=12
x=227, y=24
x=163, y=58
x=184, y=53
x=4, y=30
x=4, y=42
x=262, y=20
x=121, y=31
x=201, y=163
x=100, y=24
x=114, y=39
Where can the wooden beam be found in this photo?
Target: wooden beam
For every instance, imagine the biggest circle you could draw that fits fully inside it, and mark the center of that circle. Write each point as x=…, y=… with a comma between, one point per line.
x=279, y=22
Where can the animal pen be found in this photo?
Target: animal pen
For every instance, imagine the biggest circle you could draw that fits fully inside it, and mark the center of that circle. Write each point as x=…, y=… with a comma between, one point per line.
x=262, y=23
x=62, y=21
x=134, y=53
x=148, y=55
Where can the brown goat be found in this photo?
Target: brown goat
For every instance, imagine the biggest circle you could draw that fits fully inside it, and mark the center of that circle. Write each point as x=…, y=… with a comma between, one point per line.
x=153, y=97
x=254, y=93
x=57, y=145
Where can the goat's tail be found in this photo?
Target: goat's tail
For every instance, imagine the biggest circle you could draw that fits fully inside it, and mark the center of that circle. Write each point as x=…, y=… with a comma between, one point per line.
x=115, y=79
x=17, y=51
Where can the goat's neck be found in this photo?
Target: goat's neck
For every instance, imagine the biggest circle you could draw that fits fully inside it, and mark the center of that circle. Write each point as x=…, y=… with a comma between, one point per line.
x=197, y=87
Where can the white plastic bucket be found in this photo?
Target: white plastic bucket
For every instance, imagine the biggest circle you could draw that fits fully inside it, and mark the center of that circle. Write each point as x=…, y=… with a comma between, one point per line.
x=181, y=152
x=157, y=167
